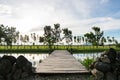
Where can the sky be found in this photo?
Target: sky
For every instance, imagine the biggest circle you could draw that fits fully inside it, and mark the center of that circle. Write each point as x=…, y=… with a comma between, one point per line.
x=77, y=15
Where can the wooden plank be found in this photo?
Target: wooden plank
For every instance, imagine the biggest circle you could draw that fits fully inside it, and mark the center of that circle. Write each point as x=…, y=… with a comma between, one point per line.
x=60, y=61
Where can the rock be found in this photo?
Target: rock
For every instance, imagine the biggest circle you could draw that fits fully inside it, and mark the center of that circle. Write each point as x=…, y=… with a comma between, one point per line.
x=15, y=69
x=1, y=77
x=110, y=76
x=102, y=66
x=21, y=62
x=105, y=59
x=5, y=67
x=10, y=58
x=17, y=74
x=28, y=67
x=24, y=75
x=118, y=56
x=9, y=76
x=112, y=55
x=98, y=74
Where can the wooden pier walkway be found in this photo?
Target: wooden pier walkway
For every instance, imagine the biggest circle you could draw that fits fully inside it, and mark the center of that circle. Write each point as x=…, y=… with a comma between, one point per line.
x=60, y=61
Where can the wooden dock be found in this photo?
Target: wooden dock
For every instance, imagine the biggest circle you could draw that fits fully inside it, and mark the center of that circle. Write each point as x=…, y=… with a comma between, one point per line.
x=60, y=61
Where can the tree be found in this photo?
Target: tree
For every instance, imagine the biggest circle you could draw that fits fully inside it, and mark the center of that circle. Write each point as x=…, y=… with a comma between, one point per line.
x=8, y=33
x=74, y=38
x=94, y=37
x=49, y=38
x=2, y=32
x=109, y=40
x=33, y=36
x=56, y=32
x=41, y=39
x=103, y=40
x=67, y=35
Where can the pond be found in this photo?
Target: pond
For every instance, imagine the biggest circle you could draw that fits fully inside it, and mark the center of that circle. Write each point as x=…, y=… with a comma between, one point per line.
x=36, y=58
x=82, y=56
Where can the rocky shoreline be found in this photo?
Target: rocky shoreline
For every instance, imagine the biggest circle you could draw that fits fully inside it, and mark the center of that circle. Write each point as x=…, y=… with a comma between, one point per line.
x=20, y=68
x=107, y=66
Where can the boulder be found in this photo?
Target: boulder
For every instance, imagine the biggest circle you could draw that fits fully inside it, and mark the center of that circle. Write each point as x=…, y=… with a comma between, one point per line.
x=12, y=59
x=1, y=77
x=17, y=74
x=24, y=75
x=5, y=67
x=27, y=67
x=105, y=59
x=112, y=55
x=21, y=62
x=98, y=74
x=110, y=76
x=103, y=67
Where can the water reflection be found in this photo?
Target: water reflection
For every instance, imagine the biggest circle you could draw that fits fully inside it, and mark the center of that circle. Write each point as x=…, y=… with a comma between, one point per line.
x=34, y=58
x=82, y=56
x=37, y=58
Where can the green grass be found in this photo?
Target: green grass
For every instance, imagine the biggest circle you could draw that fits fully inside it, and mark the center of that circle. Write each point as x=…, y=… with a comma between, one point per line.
x=45, y=48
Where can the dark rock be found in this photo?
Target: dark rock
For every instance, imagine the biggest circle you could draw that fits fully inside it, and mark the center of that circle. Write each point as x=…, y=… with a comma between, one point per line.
x=110, y=76
x=1, y=77
x=5, y=66
x=21, y=62
x=105, y=59
x=112, y=55
x=28, y=67
x=12, y=59
x=24, y=75
x=9, y=76
x=17, y=74
x=102, y=66
x=118, y=56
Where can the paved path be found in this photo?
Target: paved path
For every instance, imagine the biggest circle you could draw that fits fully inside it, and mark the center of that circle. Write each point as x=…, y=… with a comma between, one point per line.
x=60, y=61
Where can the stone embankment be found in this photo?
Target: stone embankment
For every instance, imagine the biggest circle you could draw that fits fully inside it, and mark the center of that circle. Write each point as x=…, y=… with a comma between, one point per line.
x=12, y=68
x=20, y=68
x=107, y=66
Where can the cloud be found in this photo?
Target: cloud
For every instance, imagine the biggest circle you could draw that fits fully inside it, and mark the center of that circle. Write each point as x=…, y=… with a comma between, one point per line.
x=5, y=9
x=29, y=15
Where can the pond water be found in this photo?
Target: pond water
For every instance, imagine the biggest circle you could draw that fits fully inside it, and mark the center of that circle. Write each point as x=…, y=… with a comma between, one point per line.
x=82, y=56
x=36, y=58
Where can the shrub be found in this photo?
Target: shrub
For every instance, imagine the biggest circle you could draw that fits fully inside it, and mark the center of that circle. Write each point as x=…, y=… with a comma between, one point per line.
x=86, y=62
x=118, y=45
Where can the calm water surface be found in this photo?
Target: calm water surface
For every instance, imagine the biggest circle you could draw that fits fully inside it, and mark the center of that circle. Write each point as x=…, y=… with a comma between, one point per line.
x=36, y=58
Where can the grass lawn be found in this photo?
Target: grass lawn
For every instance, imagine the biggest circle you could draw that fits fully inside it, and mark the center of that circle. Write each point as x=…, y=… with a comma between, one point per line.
x=44, y=48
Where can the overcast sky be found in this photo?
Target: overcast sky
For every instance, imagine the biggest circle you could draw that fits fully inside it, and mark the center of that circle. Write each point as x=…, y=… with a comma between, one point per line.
x=77, y=15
